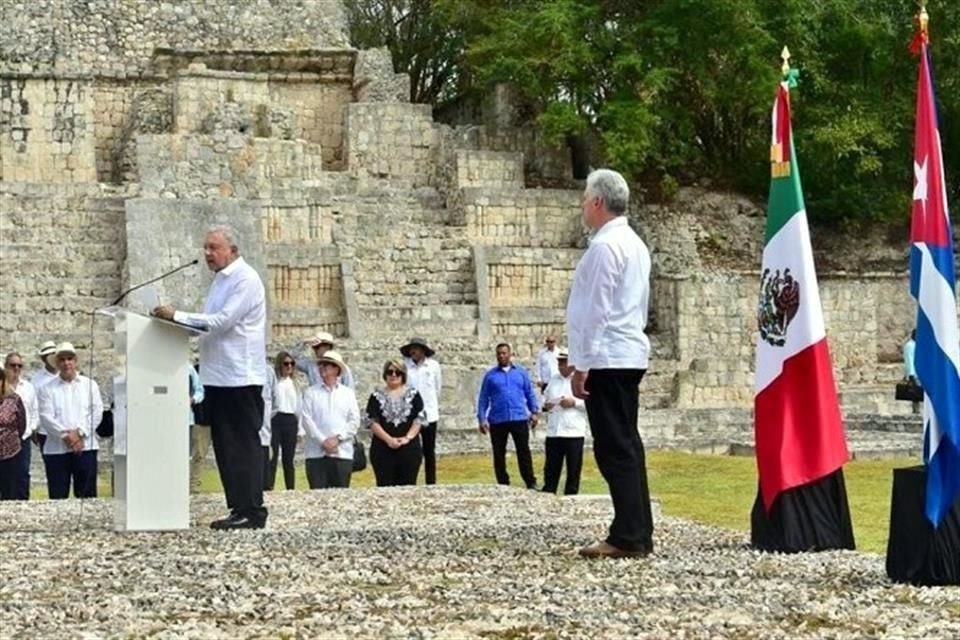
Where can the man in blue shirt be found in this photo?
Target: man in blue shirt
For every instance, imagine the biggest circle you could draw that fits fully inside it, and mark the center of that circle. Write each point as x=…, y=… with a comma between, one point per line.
x=507, y=406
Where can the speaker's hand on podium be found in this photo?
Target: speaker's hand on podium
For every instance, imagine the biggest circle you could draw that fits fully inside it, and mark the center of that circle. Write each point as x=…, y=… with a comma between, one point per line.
x=164, y=311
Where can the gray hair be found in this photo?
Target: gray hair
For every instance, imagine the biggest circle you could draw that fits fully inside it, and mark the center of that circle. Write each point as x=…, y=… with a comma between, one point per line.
x=610, y=187
x=228, y=234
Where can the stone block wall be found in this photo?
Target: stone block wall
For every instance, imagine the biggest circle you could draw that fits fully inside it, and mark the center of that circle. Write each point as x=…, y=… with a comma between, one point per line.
x=393, y=140
x=716, y=332
x=63, y=249
x=225, y=165
x=536, y=277
x=523, y=217
x=374, y=79
x=119, y=37
x=46, y=131
x=523, y=294
x=488, y=169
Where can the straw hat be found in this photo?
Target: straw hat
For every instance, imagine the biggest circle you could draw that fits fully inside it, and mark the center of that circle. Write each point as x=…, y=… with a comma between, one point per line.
x=320, y=338
x=333, y=358
x=48, y=348
x=66, y=347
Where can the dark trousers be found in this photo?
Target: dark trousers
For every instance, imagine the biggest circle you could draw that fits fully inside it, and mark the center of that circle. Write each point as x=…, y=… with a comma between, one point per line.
x=428, y=437
x=612, y=409
x=520, y=431
x=9, y=473
x=328, y=472
x=23, y=470
x=266, y=468
x=235, y=415
x=80, y=468
x=283, y=441
x=395, y=467
x=557, y=451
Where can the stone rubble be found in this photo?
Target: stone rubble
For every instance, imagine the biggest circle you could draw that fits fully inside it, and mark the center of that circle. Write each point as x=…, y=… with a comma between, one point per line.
x=433, y=562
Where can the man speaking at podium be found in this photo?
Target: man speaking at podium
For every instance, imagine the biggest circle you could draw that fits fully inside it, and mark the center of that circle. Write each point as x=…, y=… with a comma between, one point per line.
x=232, y=357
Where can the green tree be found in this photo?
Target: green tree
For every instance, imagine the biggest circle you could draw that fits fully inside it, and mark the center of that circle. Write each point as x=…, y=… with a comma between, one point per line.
x=422, y=44
x=680, y=90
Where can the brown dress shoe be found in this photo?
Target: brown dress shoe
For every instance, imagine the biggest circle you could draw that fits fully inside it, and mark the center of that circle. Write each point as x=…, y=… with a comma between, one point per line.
x=604, y=549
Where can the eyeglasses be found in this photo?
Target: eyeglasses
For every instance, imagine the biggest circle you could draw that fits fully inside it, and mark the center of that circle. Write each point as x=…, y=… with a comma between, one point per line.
x=288, y=364
x=393, y=372
x=15, y=366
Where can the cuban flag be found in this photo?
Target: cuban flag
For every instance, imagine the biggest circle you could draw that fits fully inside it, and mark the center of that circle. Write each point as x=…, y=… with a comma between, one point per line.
x=933, y=285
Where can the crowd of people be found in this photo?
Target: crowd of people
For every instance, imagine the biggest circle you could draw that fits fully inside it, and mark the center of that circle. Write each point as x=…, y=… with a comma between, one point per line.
x=254, y=414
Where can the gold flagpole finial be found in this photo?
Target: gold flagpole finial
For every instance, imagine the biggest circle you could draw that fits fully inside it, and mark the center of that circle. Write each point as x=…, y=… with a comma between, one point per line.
x=785, y=56
x=923, y=17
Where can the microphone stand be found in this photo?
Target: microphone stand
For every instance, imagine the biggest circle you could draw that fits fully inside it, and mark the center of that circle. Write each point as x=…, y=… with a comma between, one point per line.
x=160, y=277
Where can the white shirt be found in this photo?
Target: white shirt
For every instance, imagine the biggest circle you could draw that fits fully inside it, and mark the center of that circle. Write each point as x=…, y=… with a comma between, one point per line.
x=546, y=365
x=70, y=405
x=42, y=377
x=286, y=398
x=607, y=309
x=233, y=352
x=266, y=432
x=564, y=423
x=426, y=378
x=325, y=413
x=28, y=395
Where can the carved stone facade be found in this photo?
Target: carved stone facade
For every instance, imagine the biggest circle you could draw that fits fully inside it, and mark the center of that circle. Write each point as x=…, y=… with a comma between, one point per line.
x=366, y=217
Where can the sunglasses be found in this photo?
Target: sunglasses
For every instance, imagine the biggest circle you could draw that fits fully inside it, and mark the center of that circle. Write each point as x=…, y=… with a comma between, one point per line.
x=393, y=372
x=288, y=364
x=15, y=366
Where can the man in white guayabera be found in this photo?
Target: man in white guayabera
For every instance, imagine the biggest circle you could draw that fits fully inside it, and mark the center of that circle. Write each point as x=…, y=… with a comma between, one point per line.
x=233, y=372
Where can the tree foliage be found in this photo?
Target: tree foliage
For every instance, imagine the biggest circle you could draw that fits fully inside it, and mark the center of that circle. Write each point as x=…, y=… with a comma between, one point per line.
x=682, y=89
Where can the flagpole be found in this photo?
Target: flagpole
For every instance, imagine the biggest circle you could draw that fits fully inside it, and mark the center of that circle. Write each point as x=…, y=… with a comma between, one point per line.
x=924, y=511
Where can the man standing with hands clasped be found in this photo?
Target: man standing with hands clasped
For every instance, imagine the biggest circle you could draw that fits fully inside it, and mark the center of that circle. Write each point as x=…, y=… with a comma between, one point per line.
x=507, y=407
x=233, y=372
x=606, y=317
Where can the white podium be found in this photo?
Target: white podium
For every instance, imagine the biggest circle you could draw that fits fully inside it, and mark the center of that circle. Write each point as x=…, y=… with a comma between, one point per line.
x=151, y=442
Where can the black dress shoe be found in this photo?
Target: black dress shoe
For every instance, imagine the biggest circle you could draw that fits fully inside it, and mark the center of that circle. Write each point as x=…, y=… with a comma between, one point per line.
x=223, y=522
x=243, y=522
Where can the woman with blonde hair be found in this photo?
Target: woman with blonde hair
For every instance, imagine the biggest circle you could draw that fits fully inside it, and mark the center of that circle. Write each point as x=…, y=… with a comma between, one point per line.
x=13, y=423
x=284, y=419
x=394, y=415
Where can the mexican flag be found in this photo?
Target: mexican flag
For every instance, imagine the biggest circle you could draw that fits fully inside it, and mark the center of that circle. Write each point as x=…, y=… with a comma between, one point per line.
x=797, y=424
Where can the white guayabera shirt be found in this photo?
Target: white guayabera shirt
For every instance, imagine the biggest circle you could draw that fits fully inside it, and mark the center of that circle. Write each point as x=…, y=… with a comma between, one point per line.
x=607, y=309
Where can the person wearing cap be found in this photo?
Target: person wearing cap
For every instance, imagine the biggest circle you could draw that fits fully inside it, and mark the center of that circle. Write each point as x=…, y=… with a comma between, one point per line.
x=566, y=430
x=606, y=317
x=424, y=375
x=546, y=362
x=233, y=353
x=507, y=407
x=319, y=343
x=329, y=418
x=48, y=372
x=13, y=370
x=70, y=411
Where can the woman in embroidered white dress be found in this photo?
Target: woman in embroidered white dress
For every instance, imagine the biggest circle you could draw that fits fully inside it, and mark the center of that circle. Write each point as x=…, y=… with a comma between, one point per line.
x=394, y=415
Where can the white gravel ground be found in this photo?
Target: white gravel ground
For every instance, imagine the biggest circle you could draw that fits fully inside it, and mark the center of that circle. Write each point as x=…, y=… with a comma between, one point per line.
x=432, y=562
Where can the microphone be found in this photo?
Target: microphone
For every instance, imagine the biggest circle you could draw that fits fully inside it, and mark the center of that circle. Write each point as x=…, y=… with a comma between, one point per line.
x=160, y=277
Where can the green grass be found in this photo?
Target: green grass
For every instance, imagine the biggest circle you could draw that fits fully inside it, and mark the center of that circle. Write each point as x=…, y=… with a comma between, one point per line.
x=716, y=490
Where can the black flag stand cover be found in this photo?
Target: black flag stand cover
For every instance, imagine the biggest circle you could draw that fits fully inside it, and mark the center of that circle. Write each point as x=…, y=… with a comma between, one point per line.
x=916, y=552
x=811, y=517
